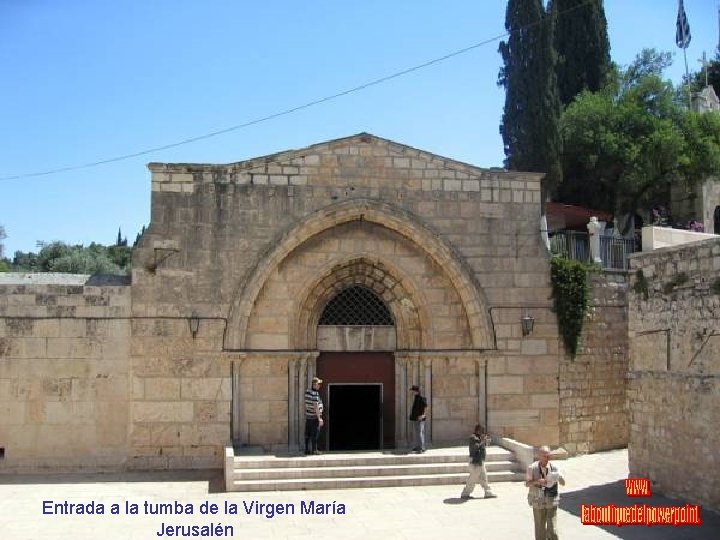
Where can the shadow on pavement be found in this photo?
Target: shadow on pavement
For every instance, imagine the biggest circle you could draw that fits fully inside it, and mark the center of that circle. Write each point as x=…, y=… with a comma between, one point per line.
x=614, y=493
x=455, y=500
x=214, y=478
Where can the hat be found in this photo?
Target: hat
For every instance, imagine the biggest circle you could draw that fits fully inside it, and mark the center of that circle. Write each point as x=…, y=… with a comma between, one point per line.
x=414, y=388
x=316, y=380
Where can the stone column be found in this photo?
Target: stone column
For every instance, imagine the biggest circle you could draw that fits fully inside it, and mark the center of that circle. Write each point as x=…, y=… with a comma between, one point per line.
x=238, y=428
x=595, y=229
x=481, y=375
x=401, y=387
x=301, y=385
x=293, y=405
x=427, y=387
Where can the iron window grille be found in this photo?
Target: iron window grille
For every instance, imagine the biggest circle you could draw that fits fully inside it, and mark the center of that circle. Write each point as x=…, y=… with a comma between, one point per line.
x=356, y=306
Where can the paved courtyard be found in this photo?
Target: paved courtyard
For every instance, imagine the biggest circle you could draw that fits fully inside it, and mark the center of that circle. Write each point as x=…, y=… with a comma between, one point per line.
x=404, y=513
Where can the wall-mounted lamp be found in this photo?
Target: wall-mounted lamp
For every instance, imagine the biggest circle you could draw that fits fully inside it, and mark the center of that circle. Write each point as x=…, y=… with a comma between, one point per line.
x=527, y=321
x=194, y=322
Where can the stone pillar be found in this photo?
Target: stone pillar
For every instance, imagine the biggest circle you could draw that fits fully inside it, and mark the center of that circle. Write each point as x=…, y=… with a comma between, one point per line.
x=481, y=375
x=410, y=370
x=400, y=401
x=301, y=382
x=595, y=229
x=238, y=428
x=427, y=387
x=293, y=419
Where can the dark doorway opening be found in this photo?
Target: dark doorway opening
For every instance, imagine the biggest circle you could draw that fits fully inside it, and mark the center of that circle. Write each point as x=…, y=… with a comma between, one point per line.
x=355, y=416
x=359, y=369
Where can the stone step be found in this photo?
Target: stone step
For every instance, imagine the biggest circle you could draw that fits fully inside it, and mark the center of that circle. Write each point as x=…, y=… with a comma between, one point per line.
x=453, y=455
x=335, y=470
x=277, y=473
x=365, y=482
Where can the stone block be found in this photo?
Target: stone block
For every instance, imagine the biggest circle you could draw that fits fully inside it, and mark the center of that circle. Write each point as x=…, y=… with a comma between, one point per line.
x=206, y=389
x=12, y=413
x=158, y=411
x=544, y=401
x=161, y=388
x=521, y=417
x=505, y=384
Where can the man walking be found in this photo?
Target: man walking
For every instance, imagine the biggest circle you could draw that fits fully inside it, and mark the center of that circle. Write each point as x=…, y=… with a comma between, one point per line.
x=313, y=417
x=542, y=478
x=478, y=475
x=417, y=416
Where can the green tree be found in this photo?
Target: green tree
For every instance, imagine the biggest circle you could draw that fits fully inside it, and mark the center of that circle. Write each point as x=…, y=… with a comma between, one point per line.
x=697, y=80
x=582, y=46
x=64, y=258
x=530, y=118
x=625, y=145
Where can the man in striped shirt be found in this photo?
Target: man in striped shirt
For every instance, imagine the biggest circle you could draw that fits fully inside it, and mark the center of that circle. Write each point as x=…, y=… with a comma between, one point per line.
x=313, y=416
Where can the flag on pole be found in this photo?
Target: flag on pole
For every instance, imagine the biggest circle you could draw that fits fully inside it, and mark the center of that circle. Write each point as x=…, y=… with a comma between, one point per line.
x=682, y=30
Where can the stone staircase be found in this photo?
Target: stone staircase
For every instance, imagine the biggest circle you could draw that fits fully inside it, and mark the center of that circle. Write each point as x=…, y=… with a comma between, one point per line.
x=439, y=466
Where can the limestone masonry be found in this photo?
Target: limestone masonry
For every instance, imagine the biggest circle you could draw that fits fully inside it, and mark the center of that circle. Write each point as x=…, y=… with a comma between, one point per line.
x=674, y=384
x=219, y=331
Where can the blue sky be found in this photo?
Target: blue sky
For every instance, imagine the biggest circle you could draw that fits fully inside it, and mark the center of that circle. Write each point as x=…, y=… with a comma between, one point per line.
x=88, y=80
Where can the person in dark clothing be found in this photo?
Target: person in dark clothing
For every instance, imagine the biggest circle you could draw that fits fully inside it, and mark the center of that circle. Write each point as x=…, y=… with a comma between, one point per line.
x=313, y=417
x=417, y=416
x=478, y=475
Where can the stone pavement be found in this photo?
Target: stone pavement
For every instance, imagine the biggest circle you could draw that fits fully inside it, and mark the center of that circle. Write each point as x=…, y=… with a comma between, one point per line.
x=405, y=513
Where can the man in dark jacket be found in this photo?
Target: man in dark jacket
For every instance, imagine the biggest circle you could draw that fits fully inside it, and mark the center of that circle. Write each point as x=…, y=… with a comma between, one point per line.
x=478, y=475
x=418, y=415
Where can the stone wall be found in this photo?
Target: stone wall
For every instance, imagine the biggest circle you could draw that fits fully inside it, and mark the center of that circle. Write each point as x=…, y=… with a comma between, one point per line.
x=242, y=242
x=64, y=393
x=674, y=385
x=181, y=394
x=593, y=404
x=112, y=376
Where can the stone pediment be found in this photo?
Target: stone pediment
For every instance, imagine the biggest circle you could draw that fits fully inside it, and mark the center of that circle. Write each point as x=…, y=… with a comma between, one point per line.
x=361, y=160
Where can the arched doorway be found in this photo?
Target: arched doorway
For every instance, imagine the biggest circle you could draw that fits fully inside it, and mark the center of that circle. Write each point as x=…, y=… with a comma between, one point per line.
x=356, y=337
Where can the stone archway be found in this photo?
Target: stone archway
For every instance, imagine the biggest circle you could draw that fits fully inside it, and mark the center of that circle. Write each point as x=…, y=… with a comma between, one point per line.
x=405, y=302
x=383, y=214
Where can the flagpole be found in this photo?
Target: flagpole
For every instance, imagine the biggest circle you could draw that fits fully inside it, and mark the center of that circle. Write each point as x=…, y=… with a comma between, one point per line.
x=682, y=39
x=687, y=78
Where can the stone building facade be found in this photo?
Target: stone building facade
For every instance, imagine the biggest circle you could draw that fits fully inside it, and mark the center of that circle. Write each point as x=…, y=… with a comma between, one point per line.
x=593, y=385
x=229, y=315
x=674, y=378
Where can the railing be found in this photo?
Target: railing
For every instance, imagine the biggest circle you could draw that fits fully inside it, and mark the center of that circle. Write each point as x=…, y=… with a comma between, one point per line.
x=571, y=245
x=614, y=251
x=575, y=245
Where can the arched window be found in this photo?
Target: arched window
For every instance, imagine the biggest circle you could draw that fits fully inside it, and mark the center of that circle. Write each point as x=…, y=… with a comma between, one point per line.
x=356, y=306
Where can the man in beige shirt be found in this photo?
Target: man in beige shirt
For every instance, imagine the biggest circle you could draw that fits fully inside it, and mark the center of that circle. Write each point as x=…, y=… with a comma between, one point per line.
x=543, y=478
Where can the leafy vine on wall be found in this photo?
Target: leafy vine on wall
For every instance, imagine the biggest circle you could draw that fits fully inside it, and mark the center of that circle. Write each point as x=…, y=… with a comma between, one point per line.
x=571, y=293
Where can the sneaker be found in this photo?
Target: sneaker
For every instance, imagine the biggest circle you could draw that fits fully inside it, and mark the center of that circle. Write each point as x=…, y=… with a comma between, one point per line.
x=490, y=496
x=416, y=449
x=465, y=497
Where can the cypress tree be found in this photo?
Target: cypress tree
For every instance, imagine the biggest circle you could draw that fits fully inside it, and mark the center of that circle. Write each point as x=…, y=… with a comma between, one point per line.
x=530, y=118
x=582, y=46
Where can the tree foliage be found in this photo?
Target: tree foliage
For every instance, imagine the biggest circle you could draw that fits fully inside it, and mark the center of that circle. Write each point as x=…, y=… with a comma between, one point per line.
x=64, y=258
x=624, y=146
x=697, y=80
x=582, y=46
x=530, y=118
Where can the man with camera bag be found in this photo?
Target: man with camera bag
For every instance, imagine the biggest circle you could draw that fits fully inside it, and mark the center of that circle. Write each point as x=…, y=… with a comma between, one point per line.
x=478, y=475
